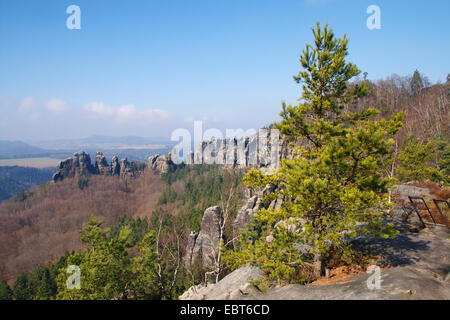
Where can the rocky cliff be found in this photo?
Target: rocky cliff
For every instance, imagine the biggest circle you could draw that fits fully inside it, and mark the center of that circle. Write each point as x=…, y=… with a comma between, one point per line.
x=419, y=269
x=264, y=149
x=80, y=164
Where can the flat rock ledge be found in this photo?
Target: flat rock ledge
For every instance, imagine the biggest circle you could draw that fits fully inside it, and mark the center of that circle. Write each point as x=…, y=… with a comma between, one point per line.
x=420, y=270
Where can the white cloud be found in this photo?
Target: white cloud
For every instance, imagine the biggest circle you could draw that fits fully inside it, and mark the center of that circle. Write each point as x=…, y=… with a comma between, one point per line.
x=34, y=118
x=34, y=109
x=57, y=106
x=124, y=113
x=29, y=107
x=99, y=108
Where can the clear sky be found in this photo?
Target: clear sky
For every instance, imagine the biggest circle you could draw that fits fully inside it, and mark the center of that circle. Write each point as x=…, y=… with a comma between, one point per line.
x=147, y=67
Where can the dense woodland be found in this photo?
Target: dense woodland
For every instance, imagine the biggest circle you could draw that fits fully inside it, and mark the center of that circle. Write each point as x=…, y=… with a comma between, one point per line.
x=45, y=224
x=364, y=136
x=15, y=179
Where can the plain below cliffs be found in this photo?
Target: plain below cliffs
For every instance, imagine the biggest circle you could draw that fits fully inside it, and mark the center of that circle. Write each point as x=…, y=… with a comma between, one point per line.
x=80, y=164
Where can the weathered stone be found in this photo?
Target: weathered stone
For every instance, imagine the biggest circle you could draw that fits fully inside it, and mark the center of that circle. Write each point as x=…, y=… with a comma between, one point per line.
x=292, y=225
x=101, y=165
x=420, y=270
x=79, y=164
x=402, y=191
x=187, y=258
x=262, y=150
x=161, y=164
x=126, y=168
x=115, y=166
x=253, y=203
x=207, y=242
x=227, y=288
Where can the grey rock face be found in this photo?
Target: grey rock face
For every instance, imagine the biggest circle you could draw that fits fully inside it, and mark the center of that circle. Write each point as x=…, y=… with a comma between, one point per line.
x=254, y=202
x=126, y=168
x=101, y=165
x=161, y=164
x=64, y=169
x=230, y=287
x=205, y=245
x=115, y=166
x=187, y=258
x=405, y=190
x=264, y=149
x=420, y=270
x=80, y=164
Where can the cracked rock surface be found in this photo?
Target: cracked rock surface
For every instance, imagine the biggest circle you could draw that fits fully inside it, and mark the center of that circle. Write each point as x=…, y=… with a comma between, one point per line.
x=420, y=270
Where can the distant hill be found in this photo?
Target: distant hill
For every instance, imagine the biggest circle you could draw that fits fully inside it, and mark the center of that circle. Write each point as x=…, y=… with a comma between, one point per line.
x=103, y=142
x=19, y=149
x=16, y=179
x=131, y=147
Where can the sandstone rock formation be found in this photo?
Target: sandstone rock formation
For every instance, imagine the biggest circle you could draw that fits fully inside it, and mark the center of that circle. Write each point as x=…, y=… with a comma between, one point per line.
x=229, y=288
x=80, y=164
x=253, y=202
x=206, y=243
x=420, y=270
x=115, y=166
x=161, y=164
x=101, y=165
x=264, y=149
x=127, y=168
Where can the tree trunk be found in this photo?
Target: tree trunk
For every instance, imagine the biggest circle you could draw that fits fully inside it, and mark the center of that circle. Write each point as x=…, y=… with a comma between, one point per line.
x=318, y=265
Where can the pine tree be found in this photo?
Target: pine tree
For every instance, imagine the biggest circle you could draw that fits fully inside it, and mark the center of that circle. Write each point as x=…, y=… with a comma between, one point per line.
x=21, y=288
x=104, y=265
x=333, y=187
x=416, y=162
x=444, y=161
x=5, y=291
x=416, y=83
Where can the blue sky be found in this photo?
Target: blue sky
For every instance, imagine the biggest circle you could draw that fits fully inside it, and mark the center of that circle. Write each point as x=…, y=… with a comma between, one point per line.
x=147, y=67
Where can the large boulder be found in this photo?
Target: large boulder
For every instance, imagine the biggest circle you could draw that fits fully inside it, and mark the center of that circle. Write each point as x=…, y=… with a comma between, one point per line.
x=229, y=288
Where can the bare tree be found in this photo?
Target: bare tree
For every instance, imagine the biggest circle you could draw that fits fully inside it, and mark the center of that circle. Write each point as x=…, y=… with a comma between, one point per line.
x=174, y=255
x=226, y=204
